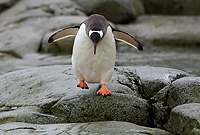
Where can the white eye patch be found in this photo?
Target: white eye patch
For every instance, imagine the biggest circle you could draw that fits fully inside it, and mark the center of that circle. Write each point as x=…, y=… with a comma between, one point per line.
x=98, y=31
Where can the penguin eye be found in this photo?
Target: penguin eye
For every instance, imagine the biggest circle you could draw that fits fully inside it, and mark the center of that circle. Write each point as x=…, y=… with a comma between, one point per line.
x=100, y=32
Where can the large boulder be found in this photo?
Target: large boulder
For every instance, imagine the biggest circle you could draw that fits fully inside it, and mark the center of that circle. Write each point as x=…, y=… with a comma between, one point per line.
x=172, y=7
x=165, y=30
x=184, y=119
x=182, y=91
x=149, y=79
x=29, y=114
x=27, y=9
x=122, y=11
x=97, y=128
x=22, y=29
x=53, y=89
x=89, y=107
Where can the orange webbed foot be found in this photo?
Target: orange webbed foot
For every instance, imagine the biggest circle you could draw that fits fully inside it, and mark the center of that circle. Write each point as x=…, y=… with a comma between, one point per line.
x=83, y=85
x=104, y=91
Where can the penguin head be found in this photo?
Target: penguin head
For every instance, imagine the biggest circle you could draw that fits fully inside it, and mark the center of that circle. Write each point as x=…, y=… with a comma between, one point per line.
x=96, y=28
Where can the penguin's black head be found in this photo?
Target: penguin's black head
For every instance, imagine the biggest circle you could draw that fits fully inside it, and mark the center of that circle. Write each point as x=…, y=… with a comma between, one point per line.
x=96, y=28
x=96, y=37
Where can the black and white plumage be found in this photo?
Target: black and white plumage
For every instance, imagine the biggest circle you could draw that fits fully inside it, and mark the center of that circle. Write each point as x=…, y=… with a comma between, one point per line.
x=94, y=50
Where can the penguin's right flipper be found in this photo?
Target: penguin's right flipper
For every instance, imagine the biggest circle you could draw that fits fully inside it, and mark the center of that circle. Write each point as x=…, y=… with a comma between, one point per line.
x=127, y=38
x=64, y=33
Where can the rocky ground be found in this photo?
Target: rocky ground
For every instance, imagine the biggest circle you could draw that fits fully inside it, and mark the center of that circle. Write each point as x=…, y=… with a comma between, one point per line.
x=154, y=92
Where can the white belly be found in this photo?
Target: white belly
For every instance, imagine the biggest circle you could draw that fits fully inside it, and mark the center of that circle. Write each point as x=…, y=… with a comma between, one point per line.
x=92, y=68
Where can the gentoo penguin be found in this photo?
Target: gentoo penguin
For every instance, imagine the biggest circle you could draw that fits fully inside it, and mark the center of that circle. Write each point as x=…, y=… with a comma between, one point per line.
x=94, y=50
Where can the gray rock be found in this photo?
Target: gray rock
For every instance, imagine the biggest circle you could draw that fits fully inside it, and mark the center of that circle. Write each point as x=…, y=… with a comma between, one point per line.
x=195, y=131
x=122, y=11
x=182, y=91
x=119, y=107
x=149, y=79
x=172, y=7
x=184, y=118
x=21, y=40
x=137, y=6
x=5, y=4
x=28, y=115
x=26, y=9
x=27, y=36
x=159, y=113
x=31, y=60
x=37, y=86
x=97, y=128
x=165, y=30
x=53, y=89
x=22, y=26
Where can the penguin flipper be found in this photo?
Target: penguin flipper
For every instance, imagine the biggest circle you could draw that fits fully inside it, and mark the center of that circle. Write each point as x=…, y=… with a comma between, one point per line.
x=127, y=38
x=63, y=33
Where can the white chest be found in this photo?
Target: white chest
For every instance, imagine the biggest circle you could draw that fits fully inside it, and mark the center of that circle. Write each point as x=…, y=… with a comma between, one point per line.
x=98, y=67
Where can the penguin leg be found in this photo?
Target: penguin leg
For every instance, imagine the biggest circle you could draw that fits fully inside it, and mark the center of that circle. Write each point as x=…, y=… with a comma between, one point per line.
x=82, y=84
x=104, y=91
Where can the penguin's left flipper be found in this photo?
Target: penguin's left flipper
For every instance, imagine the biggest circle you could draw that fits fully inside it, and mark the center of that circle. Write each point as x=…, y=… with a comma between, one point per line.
x=63, y=33
x=127, y=38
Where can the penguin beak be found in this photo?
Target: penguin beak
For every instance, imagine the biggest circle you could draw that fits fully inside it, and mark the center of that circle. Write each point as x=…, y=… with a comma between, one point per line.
x=95, y=48
x=96, y=39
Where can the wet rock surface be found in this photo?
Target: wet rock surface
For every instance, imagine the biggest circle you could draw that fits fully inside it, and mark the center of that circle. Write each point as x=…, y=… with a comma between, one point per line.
x=149, y=79
x=48, y=95
x=30, y=114
x=97, y=128
x=53, y=89
x=181, y=91
x=184, y=119
x=120, y=107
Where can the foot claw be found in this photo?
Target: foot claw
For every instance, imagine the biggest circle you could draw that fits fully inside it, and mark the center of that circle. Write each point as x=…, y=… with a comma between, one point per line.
x=104, y=91
x=83, y=85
